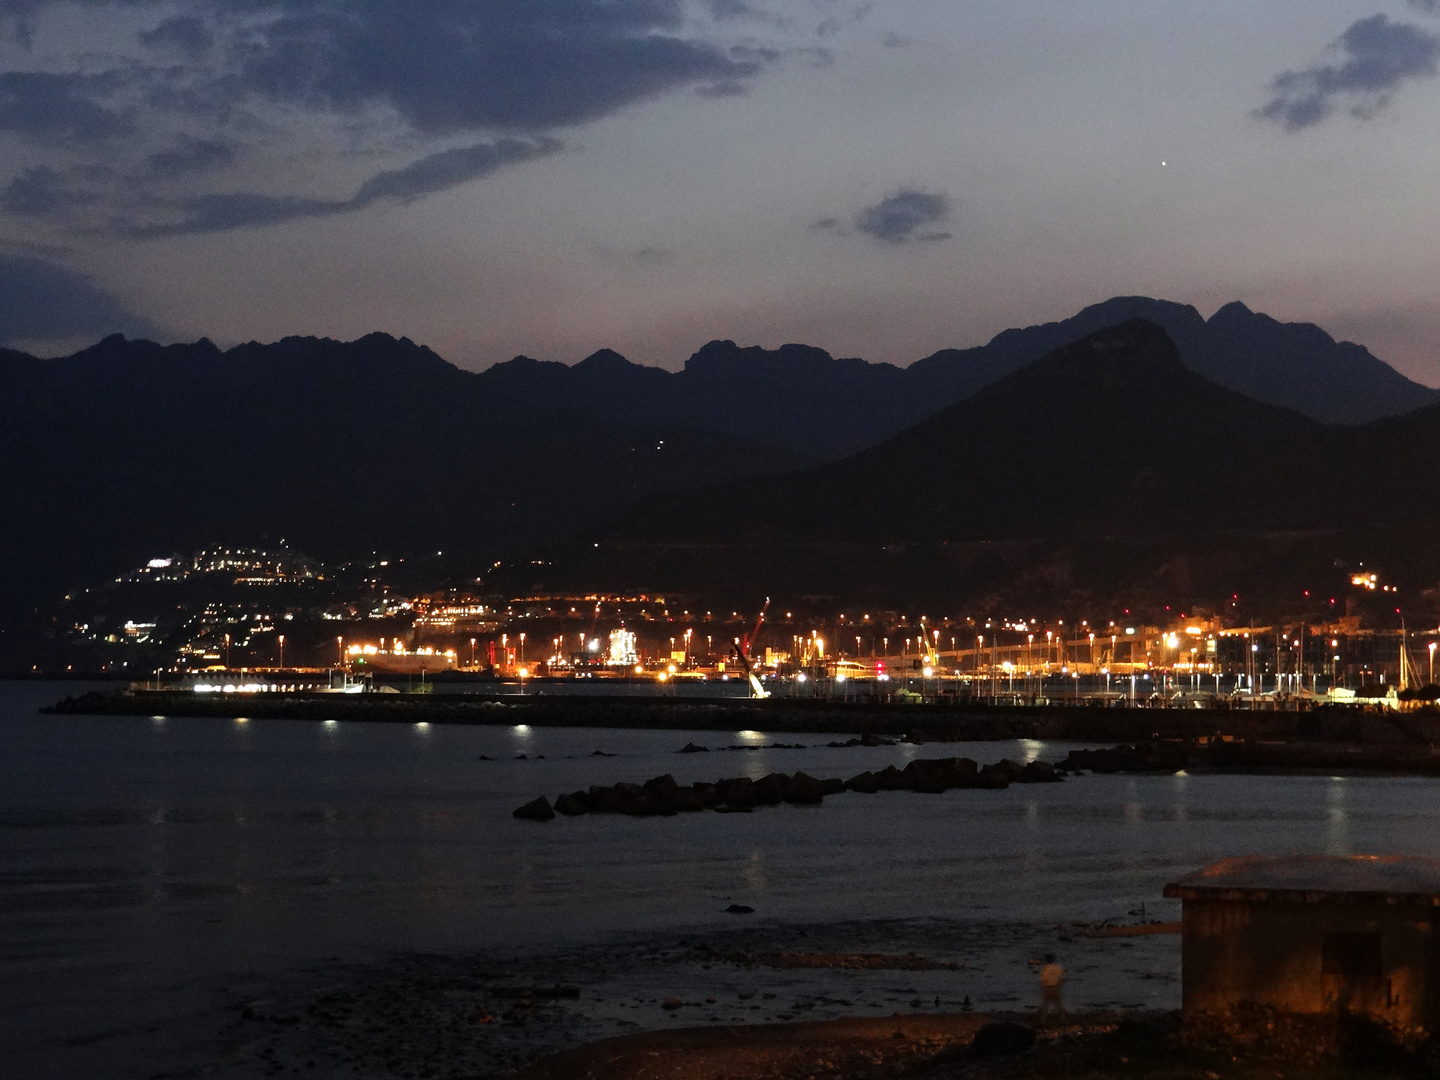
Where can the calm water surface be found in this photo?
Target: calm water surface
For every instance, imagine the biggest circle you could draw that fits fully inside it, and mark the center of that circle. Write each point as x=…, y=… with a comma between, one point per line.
x=144, y=862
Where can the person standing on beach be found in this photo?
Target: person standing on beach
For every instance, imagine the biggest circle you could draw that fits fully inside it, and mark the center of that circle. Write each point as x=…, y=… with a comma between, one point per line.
x=1052, y=978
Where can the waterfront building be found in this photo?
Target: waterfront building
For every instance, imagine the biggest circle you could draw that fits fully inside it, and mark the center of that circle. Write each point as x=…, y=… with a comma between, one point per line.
x=1314, y=935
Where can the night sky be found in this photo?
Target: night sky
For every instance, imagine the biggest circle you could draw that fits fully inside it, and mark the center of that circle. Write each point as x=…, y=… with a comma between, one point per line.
x=548, y=177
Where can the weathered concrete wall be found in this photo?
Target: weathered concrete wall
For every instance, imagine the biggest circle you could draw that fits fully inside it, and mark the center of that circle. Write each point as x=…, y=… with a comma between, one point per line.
x=1271, y=953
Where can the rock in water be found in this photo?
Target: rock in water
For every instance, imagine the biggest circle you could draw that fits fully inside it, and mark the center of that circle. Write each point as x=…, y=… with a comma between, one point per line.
x=804, y=789
x=539, y=810
x=865, y=783
x=574, y=804
x=890, y=779
x=1040, y=772
x=739, y=909
x=739, y=793
x=770, y=790
x=691, y=748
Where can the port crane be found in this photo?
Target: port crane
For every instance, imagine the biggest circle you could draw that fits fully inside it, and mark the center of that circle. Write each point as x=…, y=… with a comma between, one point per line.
x=742, y=653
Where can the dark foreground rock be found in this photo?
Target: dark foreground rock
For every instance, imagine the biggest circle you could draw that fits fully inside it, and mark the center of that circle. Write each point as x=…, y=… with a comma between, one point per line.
x=1002, y=1037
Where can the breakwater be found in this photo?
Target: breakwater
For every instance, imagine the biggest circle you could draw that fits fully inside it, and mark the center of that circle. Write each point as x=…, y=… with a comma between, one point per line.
x=663, y=796
x=920, y=722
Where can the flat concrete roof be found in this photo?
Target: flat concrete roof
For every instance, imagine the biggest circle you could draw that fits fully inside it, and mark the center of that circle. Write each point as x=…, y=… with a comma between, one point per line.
x=1310, y=879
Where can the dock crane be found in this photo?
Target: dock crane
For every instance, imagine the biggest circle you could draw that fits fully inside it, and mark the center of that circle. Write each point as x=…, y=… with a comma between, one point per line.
x=742, y=653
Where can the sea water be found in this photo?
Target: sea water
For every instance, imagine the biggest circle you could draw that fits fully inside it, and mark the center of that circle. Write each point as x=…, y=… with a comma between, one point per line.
x=148, y=864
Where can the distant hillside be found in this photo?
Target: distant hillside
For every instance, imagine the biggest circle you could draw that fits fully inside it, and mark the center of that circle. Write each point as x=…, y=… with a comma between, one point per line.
x=797, y=397
x=803, y=399
x=1112, y=431
x=1106, y=469
x=1293, y=364
x=130, y=448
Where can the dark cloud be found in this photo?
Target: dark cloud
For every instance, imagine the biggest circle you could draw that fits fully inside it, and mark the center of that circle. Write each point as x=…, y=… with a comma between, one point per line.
x=41, y=301
x=904, y=216
x=437, y=172
x=454, y=65
x=1375, y=56
x=1430, y=7
x=449, y=168
x=48, y=107
x=257, y=76
x=184, y=34
x=190, y=156
x=44, y=192
x=892, y=40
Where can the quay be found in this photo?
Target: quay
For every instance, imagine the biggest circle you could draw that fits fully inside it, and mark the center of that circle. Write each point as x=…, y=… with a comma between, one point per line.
x=1322, y=739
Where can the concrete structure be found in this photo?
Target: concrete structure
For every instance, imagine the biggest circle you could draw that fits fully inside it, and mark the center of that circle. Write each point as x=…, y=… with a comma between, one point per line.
x=1314, y=934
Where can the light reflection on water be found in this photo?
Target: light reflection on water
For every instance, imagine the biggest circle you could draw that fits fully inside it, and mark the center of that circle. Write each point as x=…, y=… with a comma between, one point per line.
x=1337, y=819
x=138, y=855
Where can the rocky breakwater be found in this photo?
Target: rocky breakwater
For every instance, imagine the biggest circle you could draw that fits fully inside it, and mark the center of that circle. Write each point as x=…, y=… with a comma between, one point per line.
x=1147, y=757
x=663, y=796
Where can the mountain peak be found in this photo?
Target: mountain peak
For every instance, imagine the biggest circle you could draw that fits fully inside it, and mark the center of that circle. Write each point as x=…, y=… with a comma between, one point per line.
x=603, y=360
x=1231, y=314
x=1124, y=357
x=725, y=358
x=1122, y=308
